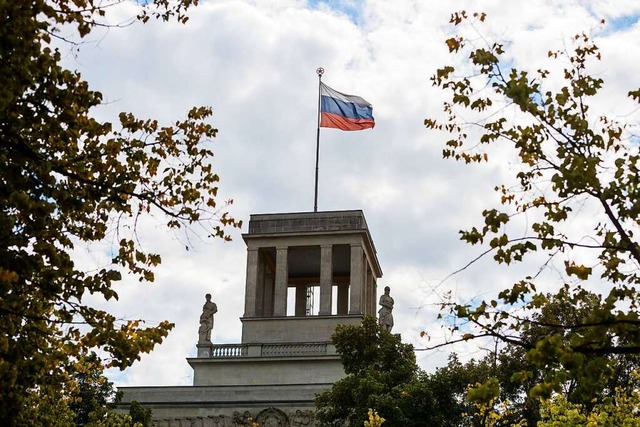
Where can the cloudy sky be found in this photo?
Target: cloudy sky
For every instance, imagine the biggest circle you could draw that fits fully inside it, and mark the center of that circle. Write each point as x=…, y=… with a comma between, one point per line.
x=254, y=63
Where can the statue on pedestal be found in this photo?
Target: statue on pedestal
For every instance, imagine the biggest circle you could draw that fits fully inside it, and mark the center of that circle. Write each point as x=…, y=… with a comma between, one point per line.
x=206, y=321
x=385, y=314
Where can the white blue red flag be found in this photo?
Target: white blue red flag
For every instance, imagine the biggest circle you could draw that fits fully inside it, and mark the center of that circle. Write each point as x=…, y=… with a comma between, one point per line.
x=346, y=112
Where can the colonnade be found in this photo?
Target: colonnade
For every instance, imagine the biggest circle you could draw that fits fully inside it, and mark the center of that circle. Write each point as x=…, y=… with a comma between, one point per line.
x=268, y=282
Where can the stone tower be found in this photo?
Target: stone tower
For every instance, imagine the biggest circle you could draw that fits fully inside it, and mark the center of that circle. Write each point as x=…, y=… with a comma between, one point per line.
x=306, y=273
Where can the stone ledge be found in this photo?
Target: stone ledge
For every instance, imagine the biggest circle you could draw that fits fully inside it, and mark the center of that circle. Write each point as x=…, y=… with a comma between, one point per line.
x=168, y=395
x=307, y=222
x=265, y=359
x=178, y=403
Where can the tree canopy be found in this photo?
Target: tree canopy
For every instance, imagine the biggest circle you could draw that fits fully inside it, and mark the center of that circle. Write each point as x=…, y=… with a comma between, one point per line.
x=375, y=362
x=490, y=391
x=576, y=186
x=511, y=372
x=382, y=376
x=67, y=179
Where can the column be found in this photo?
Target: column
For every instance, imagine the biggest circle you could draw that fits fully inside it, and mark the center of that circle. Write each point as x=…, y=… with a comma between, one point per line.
x=260, y=287
x=267, y=308
x=252, y=283
x=356, y=280
x=282, y=282
x=326, y=279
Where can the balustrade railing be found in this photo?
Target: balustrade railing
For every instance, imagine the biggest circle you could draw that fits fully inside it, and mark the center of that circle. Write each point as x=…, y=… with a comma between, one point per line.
x=269, y=350
x=229, y=350
x=302, y=349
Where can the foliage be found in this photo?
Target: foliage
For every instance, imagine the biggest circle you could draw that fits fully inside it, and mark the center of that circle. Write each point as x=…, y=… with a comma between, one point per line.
x=67, y=179
x=451, y=383
x=93, y=398
x=469, y=390
x=374, y=419
x=113, y=419
x=140, y=414
x=503, y=379
x=494, y=414
x=375, y=362
x=365, y=348
x=619, y=410
x=491, y=391
x=382, y=376
x=86, y=399
x=517, y=374
x=91, y=394
x=44, y=407
x=570, y=161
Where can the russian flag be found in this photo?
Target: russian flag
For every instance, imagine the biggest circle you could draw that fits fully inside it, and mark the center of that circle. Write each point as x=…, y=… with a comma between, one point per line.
x=345, y=112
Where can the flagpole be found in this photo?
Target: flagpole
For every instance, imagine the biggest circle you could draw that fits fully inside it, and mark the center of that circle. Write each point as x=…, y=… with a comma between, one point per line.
x=319, y=72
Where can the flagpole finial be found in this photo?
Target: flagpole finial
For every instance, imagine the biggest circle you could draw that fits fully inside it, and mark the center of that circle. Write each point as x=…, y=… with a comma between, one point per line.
x=320, y=71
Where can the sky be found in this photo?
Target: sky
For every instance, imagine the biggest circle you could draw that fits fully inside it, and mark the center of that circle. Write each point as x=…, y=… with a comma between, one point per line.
x=254, y=63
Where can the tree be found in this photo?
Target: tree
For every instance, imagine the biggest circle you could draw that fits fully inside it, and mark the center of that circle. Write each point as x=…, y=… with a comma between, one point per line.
x=375, y=362
x=494, y=390
x=86, y=399
x=67, y=179
x=452, y=382
x=93, y=394
x=93, y=398
x=382, y=376
x=570, y=161
x=516, y=374
x=619, y=410
x=581, y=387
x=140, y=414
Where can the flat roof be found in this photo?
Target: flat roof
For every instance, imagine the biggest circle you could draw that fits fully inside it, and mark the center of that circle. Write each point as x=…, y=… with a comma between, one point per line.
x=301, y=222
x=296, y=223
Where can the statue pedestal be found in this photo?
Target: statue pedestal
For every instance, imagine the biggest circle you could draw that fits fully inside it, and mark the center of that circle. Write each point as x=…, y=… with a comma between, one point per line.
x=204, y=349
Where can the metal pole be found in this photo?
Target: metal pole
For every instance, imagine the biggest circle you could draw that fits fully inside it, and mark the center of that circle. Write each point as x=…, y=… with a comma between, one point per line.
x=319, y=72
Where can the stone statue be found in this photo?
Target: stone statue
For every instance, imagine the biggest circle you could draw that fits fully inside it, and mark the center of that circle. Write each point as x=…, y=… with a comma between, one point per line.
x=385, y=313
x=206, y=321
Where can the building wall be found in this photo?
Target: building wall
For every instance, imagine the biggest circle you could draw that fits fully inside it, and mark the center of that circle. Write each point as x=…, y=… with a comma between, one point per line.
x=266, y=371
x=227, y=406
x=293, y=329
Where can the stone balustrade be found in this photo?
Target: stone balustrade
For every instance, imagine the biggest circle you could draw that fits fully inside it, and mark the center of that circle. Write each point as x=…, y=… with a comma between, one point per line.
x=268, y=350
x=229, y=350
x=298, y=349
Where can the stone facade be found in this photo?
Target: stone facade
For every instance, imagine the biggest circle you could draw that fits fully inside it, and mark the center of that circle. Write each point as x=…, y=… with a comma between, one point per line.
x=285, y=356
